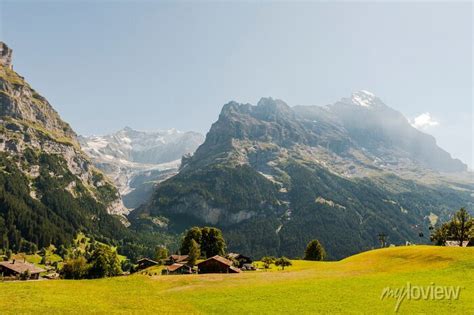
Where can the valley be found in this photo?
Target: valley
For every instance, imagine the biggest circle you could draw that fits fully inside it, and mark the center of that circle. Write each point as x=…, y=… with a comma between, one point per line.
x=236, y=157
x=353, y=285
x=271, y=176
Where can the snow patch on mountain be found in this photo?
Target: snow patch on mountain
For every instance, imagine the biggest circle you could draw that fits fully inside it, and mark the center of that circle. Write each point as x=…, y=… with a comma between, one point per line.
x=363, y=98
x=133, y=158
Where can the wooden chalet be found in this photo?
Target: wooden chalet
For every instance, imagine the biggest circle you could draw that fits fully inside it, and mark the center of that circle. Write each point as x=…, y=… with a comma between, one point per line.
x=177, y=269
x=217, y=264
x=15, y=268
x=177, y=259
x=146, y=263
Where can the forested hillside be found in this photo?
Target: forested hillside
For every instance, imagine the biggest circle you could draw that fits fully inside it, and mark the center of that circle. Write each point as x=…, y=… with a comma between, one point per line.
x=49, y=191
x=273, y=178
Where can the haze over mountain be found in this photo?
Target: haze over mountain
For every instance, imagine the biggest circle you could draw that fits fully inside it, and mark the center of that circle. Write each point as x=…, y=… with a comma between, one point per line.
x=136, y=160
x=183, y=83
x=273, y=177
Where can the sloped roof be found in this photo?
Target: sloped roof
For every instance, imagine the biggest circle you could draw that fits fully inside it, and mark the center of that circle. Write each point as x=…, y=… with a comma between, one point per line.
x=179, y=257
x=174, y=267
x=235, y=269
x=220, y=259
x=223, y=261
x=21, y=267
x=147, y=259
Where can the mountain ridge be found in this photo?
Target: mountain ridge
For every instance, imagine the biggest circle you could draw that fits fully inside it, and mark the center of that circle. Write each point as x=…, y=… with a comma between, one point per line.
x=265, y=172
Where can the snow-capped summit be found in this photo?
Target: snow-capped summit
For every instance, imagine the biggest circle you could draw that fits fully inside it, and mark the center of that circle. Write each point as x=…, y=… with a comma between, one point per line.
x=363, y=98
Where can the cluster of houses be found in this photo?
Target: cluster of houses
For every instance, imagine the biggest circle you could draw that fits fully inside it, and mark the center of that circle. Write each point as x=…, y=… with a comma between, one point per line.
x=174, y=264
x=178, y=264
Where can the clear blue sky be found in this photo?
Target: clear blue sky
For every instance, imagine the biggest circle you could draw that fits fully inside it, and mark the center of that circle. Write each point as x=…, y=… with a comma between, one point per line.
x=154, y=65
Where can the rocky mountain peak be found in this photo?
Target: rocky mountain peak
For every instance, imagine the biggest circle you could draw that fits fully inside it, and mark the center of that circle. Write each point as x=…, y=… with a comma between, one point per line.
x=5, y=55
x=270, y=109
x=363, y=98
x=273, y=103
x=20, y=102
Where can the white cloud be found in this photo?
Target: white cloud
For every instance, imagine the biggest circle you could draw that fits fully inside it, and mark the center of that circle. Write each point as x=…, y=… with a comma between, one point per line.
x=424, y=121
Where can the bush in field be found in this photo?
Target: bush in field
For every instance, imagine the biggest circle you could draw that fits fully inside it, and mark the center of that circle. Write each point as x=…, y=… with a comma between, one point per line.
x=267, y=261
x=314, y=251
x=283, y=262
x=75, y=268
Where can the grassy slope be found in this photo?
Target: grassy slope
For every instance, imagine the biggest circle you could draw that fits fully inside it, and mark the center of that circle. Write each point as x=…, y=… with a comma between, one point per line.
x=351, y=285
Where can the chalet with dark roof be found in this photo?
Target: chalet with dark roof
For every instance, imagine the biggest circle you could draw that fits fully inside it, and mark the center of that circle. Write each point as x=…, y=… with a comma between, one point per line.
x=146, y=263
x=177, y=269
x=15, y=268
x=217, y=264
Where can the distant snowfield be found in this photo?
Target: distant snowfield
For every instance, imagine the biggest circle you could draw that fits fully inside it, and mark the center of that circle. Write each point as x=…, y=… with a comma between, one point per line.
x=129, y=154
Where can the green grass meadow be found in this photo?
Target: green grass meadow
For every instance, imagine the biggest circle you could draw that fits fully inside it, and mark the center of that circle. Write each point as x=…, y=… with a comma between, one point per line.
x=353, y=285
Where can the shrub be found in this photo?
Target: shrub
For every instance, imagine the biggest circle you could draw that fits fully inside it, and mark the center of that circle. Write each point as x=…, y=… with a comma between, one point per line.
x=267, y=261
x=75, y=268
x=283, y=262
x=314, y=251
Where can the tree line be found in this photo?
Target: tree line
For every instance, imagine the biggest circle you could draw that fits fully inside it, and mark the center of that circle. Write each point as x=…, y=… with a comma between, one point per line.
x=460, y=229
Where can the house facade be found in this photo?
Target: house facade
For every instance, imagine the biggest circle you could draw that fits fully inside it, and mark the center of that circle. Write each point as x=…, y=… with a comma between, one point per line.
x=217, y=264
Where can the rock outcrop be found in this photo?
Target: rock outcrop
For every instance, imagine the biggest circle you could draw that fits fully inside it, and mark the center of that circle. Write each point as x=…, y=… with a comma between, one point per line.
x=5, y=55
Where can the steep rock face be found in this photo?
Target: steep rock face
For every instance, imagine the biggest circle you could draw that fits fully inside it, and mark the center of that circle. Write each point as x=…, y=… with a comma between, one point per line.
x=137, y=160
x=40, y=154
x=5, y=55
x=274, y=177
